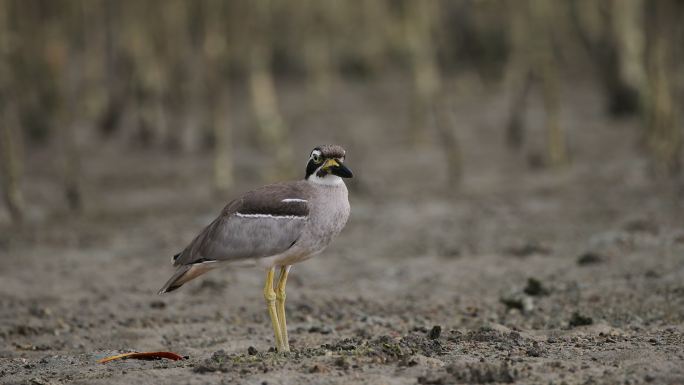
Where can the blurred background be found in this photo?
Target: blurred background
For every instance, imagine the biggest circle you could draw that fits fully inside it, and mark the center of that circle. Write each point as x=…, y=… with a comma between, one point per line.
x=517, y=167
x=242, y=90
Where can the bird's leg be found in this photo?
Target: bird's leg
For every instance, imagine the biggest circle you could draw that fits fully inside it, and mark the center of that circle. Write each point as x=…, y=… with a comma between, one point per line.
x=270, y=297
x=280, y=296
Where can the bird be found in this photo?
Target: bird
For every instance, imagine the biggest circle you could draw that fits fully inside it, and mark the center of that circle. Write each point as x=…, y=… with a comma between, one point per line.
x=276, y=226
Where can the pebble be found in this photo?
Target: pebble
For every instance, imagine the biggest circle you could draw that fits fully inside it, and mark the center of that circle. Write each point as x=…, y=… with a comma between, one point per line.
x=435, y=332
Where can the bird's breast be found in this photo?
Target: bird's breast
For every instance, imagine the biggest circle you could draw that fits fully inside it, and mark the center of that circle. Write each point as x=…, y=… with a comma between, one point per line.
x=327, y=217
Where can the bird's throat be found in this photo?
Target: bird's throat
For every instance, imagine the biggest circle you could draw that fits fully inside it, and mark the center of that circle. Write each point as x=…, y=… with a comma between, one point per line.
x=327, y=180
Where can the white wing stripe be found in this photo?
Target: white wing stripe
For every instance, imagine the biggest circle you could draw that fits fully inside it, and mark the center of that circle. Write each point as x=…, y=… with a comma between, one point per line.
x=294, y=200
x=270, y=216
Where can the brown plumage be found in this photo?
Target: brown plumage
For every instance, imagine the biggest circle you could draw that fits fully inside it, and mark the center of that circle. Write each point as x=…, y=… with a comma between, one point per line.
x=332, y=151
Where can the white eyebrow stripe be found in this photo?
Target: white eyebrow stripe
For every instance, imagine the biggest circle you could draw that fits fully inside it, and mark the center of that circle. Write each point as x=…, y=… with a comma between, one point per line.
x=289, y=200
x=241, y=215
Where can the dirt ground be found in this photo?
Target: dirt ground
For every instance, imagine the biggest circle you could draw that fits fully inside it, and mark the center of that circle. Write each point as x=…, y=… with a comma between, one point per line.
x=525, y=275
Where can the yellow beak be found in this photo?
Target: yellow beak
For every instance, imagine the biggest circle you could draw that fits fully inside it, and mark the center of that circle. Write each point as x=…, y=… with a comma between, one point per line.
x=330, y=163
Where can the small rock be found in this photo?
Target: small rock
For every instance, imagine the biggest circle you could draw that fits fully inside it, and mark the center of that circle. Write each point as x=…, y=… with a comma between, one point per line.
x=534, y=350
x=157, y=304
x=455, y=336
x=40, y=312
x=342, y=363
x=425, y=362
x=519, y=301
x=431, y=379
x=527, y=249
x=590, y=258
x=651, y=274
x=496, y=327
x=642, y=226
x=320, y=329
x=679, y=238
x=363, y=333
x=528, y=304
x=514, y=335
x=512, y=302
x=580, y=320
x=435, y=332
x=252, y=351
x=535, y=288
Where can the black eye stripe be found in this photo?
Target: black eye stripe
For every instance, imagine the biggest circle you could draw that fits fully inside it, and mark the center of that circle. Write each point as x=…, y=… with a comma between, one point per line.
x=311, y=167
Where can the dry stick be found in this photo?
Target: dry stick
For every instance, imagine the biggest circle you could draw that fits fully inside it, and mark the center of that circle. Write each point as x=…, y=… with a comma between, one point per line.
x=556, y=147
x=628, y=33
x=533, y=59
x=216, y=53
x=114, y=105
x=223, y=143
x=545, y=65
x=273, y=132
x=67, y=65
x=316, y=46
x=72, y=159
x=609, y=31
x=418, y=19
x=519, y=75
x=182, y=80
x=376, y=20
x=11, y=145
x=450, y=142
x=11, y=149
x=429, y=99
x=194, y=80
x=223, y=162
x=520, y=91
x=663, y=135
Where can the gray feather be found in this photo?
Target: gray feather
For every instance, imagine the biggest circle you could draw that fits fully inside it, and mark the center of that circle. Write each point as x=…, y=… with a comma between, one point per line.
x=173, y=282
x=258, y=224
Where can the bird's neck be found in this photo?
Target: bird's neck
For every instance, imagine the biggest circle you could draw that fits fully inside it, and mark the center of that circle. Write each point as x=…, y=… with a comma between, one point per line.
x=328, y=180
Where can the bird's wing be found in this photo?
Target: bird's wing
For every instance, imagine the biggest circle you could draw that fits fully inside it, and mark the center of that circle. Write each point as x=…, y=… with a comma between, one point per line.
x=261, y=223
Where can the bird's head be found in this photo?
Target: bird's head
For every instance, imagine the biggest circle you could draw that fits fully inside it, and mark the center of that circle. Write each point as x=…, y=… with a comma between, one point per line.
x=326, y=165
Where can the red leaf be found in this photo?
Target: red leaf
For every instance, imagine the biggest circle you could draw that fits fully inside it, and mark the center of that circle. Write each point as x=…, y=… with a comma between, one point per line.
x=143, y=356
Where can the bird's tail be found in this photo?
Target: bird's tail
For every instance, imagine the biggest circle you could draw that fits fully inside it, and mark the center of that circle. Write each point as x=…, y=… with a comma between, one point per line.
x=184, y=274
x=177, y=280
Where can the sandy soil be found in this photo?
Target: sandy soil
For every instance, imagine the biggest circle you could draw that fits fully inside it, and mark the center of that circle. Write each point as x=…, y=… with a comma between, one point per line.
x=523, y=276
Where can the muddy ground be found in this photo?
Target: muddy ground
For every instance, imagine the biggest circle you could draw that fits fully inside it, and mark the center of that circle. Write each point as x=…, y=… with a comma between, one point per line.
x=525, y=275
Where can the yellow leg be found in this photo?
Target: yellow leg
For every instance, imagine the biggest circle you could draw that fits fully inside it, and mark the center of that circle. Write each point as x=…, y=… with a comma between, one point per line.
x=280, y=297
x=270, y=297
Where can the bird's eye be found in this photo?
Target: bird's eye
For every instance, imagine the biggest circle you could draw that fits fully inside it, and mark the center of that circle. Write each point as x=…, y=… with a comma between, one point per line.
x=316, y=157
